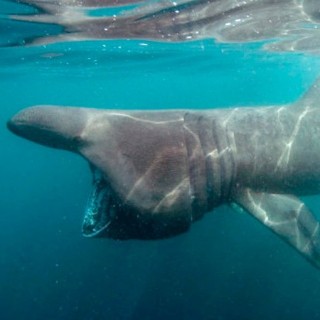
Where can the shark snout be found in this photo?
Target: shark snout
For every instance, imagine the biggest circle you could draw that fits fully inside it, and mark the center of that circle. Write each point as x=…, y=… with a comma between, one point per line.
x=23, y=122
x=28, y=123
x=56, y=127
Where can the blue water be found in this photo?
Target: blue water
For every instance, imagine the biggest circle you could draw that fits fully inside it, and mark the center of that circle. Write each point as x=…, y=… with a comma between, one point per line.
x=228, y=266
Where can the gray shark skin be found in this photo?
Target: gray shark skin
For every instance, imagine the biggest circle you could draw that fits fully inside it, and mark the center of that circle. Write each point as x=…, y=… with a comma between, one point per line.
x=156, y=172
x=292, y=25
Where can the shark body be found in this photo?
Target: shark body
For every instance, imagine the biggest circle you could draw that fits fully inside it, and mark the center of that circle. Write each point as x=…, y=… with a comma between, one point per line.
x=156, y=172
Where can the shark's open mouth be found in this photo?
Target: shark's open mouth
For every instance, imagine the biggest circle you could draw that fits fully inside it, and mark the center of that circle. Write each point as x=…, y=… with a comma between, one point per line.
x=100, y=210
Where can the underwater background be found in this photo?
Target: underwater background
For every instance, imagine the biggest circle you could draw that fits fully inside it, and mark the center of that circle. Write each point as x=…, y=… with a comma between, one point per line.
x=228, y=266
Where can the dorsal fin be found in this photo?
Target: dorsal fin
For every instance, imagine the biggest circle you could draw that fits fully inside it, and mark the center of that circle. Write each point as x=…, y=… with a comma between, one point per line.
x=311, y=97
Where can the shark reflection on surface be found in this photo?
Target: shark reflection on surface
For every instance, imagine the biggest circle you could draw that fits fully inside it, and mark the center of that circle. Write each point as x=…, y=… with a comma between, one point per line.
x=292, y=25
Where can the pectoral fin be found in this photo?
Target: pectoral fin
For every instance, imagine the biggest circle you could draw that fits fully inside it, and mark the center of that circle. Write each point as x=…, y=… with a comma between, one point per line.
x=287, y=216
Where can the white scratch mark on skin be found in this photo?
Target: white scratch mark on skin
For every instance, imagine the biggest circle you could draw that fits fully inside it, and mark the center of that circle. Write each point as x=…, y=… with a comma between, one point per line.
x=172, y=195
x=93, y=125
x=197, y=149
x=296, y=222
x=309, y=245
x=301, y=205
x=190, y=131
x=94, y=122
x=279, y=111
x=144, y=120
x=261, y=212
x=285, y=155
x=138, y=183
x=215, y=154
x=233, y=143
x=231, y=114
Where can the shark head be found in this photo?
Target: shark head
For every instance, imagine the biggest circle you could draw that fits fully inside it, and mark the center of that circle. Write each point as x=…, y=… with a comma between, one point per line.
x=50, y=126
x=139, y=161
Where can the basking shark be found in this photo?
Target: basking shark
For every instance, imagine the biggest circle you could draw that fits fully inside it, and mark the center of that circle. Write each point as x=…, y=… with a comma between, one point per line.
x=156, y=172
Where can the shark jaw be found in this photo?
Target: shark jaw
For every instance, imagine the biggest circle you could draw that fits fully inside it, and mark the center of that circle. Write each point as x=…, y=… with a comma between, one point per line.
x=100, y=209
